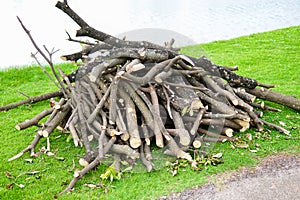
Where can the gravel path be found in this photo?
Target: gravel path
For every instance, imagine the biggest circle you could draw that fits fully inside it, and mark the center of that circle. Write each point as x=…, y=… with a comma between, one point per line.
x=277, y=177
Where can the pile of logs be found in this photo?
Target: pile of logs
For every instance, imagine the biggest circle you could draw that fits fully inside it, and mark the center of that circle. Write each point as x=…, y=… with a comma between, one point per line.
x=129, y=97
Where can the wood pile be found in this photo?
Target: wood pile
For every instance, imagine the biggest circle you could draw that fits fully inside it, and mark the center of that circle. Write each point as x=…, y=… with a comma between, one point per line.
x=129, y=97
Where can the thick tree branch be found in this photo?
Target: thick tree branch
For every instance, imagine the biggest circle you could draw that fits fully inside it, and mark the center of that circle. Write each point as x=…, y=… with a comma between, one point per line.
x=39, y=98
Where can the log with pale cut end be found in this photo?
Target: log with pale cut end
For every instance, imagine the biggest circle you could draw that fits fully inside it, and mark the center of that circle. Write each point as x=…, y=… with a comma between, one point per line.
x=241, y=92
x=125, y=137
x=269, y=95
x=243, y=123
x=135, y=142
x=180, y=131
x=45, y=133
x=157, y=132
x=35, y=120
x=197, y=121
x=215, y=135
x=227, y=131
x=131, y=118
x=39, y=98
x=125, y=150
x=182, y=135
x=197, y=143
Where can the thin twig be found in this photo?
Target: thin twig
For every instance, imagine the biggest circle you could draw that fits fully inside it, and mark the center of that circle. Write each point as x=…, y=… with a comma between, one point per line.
x=43, y=69
x=49, y=61
x=186, y=86
x=79, y=41
x=22, y=93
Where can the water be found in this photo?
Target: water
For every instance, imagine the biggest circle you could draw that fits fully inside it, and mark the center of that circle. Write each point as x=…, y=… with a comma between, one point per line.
x=189, y=21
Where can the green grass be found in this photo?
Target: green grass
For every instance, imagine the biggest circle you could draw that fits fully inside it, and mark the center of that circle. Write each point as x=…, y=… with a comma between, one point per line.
x=271, y=57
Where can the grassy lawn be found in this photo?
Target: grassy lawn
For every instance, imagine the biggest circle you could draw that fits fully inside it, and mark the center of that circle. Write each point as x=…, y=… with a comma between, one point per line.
x=271, y=57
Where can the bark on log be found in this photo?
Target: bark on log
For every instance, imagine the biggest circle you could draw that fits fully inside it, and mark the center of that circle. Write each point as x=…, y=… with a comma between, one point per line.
x=182, y=134
x=49, y=127
x=35, y=120
x=39, y=98
x=158, y=135
x=282, y=99
x=148, y=164
x=134, y=140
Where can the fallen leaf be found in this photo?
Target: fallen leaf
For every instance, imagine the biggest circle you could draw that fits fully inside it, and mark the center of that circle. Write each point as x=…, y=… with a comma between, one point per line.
x=50, y=153
x=128, y=169
x=111, y=178
x=32, y=172
x=241, y=145
x=191, y=113
x=9, y=186
x=196, y=104
x=184, y=110
x=92, y=186
x=8, y=175
x=60, y=158
x=174, y=172
x=249, y=136
x=29, y=160
x=253, y=150
x=125, y=163
x=69, y=138
x=218, y=155
x=282, y=123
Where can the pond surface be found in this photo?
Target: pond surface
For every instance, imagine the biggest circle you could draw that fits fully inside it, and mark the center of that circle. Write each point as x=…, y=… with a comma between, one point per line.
x=189, y=21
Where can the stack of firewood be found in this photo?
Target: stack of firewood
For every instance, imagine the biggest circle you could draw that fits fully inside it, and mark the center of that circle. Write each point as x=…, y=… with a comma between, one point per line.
x=129, y=97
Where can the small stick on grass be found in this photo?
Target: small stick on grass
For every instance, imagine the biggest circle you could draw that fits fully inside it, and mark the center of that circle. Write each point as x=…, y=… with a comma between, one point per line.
x=80, y=174
x=35, y=120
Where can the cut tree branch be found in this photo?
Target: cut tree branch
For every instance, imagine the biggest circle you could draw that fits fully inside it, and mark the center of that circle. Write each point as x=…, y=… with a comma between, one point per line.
x=39, y=98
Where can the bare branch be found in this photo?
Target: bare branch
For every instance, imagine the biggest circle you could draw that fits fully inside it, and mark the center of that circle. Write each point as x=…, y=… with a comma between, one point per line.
x=44, y=56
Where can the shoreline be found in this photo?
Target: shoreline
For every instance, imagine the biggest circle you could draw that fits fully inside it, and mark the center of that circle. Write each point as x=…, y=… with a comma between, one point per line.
x=58, y=61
